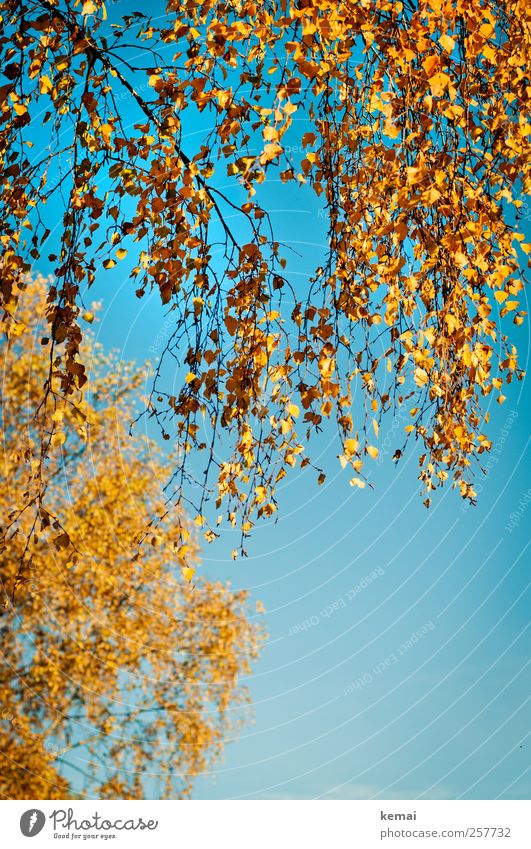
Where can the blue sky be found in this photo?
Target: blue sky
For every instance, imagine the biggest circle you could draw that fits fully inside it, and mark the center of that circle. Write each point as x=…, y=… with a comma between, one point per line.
x=416, y=684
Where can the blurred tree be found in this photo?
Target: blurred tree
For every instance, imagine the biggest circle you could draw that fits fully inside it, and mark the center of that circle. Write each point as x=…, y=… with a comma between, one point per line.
x=120, y=671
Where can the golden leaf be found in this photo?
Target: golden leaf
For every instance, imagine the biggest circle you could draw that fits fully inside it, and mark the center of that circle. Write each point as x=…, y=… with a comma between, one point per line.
x=447, y=42
x=421, y=377
x=45, y=84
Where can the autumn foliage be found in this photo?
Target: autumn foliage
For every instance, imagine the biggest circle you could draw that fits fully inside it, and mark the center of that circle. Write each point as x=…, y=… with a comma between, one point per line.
x=121, y=674
x=413, y=122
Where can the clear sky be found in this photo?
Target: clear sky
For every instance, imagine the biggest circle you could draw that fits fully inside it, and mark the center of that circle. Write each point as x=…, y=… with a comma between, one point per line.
x=397, y=663
x=413, y=682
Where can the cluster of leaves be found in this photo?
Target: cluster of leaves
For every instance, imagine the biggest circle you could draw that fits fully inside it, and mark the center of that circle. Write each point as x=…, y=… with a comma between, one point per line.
x=113, y=667
x=413, y=121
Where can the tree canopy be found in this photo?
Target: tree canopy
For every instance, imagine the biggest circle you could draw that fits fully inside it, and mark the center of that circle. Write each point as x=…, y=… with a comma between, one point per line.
x=121, y=676
x=408, y=121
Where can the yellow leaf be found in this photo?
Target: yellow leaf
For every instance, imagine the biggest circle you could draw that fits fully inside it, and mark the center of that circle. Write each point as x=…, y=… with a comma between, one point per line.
x=351, y=446
x=431, y=195
x=486, y=30
x=372, y=451
x=121, y=253
x=17, y=328
x=467, y=356
x=293, y=410
x=420, y=377
x=270, y=152
x=106, y=130
x=188, y=573
x=451, y=322
x=58, y=438
x=430, y=63
x=190, y=377
x=447, y=42
x=438, y=83
x=45, y=84
x=261, y=494
x=326, y=367
x=270, y=134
